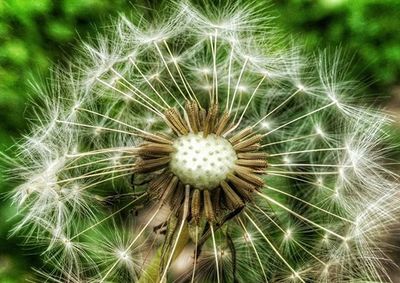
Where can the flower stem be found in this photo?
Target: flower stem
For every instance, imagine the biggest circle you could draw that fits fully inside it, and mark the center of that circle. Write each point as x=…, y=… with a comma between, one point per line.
x=152, y=273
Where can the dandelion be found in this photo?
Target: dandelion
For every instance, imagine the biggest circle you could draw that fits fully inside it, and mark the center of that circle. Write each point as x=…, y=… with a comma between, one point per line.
x=203, y=147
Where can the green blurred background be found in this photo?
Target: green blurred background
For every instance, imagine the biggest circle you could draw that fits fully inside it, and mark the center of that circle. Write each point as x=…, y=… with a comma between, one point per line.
x=36, y=34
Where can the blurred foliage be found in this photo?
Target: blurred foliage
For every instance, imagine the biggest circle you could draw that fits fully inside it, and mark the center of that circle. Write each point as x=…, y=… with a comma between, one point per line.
x=35, y=34
x=367, y=29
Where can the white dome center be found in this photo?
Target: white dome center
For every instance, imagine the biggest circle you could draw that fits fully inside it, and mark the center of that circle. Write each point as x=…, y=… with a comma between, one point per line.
x=202, y=162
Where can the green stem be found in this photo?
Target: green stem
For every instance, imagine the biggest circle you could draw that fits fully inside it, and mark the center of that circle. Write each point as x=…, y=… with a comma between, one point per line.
x=152, y=273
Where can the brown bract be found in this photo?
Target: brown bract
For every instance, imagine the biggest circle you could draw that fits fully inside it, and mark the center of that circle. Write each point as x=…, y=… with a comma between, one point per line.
x=211, y=204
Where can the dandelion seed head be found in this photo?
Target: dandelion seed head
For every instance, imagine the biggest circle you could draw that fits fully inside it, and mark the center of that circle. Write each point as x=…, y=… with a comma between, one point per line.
x=199, y=144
